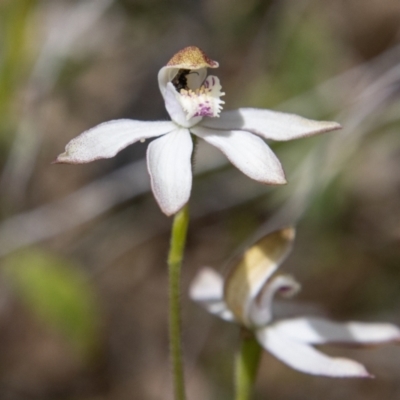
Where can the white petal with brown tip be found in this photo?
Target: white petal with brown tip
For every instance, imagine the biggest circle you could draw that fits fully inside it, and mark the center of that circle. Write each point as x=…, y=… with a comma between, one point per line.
x=270, y=124
x=314, y=330
x=109, y=138
x=247, y=152
x=169, y=166
x=305, y=358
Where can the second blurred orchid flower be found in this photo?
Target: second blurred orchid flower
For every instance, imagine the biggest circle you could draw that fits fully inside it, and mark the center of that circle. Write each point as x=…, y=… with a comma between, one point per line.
x=246, y=297
x=194, y=104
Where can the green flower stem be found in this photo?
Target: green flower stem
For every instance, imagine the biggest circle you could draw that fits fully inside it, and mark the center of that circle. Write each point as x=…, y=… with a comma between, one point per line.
x=246, y=366
x=175, y=256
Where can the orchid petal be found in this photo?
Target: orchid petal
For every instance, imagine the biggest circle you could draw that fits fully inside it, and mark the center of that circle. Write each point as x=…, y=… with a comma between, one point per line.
x=169, y=166
x=109, y=138
x=207, y=289
x=252, y=271
x=165, y=75
x=270, y=124
x=314, y=330
x=305, y=358
x=247, y=152
x=175, y=109
x=260, y=313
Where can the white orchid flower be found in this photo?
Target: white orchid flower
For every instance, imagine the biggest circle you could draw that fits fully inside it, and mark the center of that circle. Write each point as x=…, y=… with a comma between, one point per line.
x=194, y=104
x=246, y=297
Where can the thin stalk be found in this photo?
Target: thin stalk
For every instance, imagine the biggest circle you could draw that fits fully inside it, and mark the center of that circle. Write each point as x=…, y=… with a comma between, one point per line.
x=246, y=366
x=175, y=256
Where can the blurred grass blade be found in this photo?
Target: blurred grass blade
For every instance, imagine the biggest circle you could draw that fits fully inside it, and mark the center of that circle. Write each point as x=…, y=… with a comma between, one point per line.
x=56, y=291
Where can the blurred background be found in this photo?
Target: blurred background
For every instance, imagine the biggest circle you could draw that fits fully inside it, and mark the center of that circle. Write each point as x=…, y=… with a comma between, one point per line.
x=83, y=284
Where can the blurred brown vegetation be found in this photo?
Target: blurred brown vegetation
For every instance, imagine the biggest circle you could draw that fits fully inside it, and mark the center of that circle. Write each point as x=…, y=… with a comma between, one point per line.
x=83, y=287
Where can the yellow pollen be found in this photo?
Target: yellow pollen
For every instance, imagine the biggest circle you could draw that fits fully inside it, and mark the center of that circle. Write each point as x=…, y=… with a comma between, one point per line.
x=197, y=92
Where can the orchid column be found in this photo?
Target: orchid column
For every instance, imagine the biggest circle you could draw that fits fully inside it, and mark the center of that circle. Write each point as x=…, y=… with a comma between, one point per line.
x=193, y=101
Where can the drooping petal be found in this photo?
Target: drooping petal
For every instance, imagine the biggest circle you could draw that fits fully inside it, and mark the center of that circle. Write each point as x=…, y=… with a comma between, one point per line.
x=169, y=166
x=320, y=331
x=250, y=273
x=305, y=358
x=247, y=152
x=109, y=138
x=270, y=124
x=207, y=289
x=260, y=312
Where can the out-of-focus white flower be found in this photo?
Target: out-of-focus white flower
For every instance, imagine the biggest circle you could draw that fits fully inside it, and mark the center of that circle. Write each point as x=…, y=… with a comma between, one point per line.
x=194, y=104
x=246, y=297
